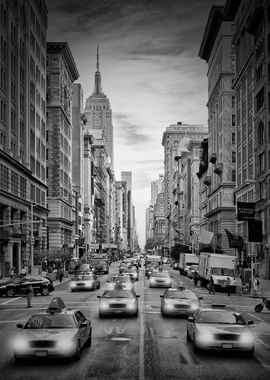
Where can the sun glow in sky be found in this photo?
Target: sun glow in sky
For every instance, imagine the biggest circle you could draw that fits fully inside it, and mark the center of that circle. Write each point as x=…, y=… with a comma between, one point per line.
x=150, y=71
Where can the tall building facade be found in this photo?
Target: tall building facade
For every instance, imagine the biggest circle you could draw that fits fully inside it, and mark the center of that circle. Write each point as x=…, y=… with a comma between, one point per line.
x=156, y=188
x=174, y=138
x=61, y=73
x=23, y=206
x=217, y=49
x=126, y=176
x=99, y=114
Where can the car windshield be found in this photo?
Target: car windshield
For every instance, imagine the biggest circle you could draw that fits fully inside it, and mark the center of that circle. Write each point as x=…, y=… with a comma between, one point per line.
x=160, y=274
x=194, y=267
x=51, y=321
x=220, y=317
x=129, y=270
x=118, y=294
x=222, y=271
x=85, y=277
x=181, y=294
x=122, y=279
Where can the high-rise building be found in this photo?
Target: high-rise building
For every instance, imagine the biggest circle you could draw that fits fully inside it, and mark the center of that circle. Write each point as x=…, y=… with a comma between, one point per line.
x=175, y=138
x=23, y=206
x=126, y=176
x=99, y=114
x=61, y=73
x=156, y=188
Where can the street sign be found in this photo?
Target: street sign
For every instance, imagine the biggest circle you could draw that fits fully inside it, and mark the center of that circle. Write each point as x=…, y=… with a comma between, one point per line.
x=94, y=246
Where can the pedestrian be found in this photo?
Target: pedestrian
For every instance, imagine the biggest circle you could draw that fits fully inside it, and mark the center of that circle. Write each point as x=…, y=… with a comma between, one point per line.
x=12, y=272
x=239, y=285
x=195, y=278
x=29, y=295
x=61, y=274
x=229, y=287
x=211, y=285
x=23, y=271
x=256, y=285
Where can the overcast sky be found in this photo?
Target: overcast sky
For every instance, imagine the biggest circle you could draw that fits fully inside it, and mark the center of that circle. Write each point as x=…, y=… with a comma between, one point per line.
x=150, y=71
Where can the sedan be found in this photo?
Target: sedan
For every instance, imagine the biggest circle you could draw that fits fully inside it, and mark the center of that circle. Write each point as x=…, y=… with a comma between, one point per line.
x=118, y=301
x=56, y=332
x=124, y=280
x=178, y=302
x=17, y=286
x=85, y=282
x=220, y=329
x=160, y=279
x=132, y=272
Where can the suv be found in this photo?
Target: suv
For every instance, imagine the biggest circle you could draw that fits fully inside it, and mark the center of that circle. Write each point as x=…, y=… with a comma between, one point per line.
x=40, y=284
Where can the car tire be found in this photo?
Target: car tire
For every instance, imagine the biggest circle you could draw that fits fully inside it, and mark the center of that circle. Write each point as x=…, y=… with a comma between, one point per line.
x=98, y=287
x=77, y=355
x=88, y=343
x=18, y=359
x=10, y=292
x=163, y=314
x=250, y=353
x=100, y=315
x=188, y=337
x=44, y=291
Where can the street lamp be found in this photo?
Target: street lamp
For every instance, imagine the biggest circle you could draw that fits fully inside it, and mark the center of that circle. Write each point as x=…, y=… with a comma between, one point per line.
x=33, y=204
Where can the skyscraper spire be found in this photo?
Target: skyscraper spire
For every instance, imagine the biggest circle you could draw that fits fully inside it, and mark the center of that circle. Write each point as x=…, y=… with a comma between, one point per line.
x=97, y=89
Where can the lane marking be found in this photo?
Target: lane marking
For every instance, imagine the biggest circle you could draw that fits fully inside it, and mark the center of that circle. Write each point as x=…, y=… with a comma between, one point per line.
x=263, y=343
x=259, y=319
x=11, y=300
x=141, y=353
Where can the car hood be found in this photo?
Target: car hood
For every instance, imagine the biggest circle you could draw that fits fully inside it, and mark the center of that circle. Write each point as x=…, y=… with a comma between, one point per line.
x=222, y=328
x=50, y=334
x=117, y=300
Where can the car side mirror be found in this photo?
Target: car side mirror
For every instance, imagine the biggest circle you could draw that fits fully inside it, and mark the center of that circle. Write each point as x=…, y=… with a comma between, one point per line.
x=191, y=319
x=250, y=322
x=98, y=296
x=20, y=325
x=161, y=296
x=83, y=324
x=172, y=276
x=200, y=298
x=137, y=295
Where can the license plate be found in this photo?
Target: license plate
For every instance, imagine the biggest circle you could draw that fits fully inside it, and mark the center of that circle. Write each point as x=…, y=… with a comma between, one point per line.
x=118, y=311
x=227, y=346
x=41, y=353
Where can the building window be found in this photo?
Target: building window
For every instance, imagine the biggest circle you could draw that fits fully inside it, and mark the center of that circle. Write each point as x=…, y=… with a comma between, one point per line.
x=233, y=175
x=260, y=99
x=233, y=119
x=233, y=157
x=4, y=178
x=261, y=162
x=23, y=188
x=233, y=101
x=14, y=183
x=261, y=134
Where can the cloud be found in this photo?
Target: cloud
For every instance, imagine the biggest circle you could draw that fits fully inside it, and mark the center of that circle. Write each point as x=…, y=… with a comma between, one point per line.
x=127, y=132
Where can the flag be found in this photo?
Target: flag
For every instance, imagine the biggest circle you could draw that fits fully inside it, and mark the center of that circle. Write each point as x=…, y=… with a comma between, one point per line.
x=235, y=241
x=206, y=236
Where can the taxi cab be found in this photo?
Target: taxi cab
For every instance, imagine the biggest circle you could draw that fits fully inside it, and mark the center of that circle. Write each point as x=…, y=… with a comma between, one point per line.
x=118, y=301
x=219, y=328
x=56, y=332
x=85, y=281
x=178, y=302
x=123, y=279
x=160, y=279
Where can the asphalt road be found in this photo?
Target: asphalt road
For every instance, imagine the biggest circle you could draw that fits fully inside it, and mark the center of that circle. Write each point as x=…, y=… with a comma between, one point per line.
x=146, y=347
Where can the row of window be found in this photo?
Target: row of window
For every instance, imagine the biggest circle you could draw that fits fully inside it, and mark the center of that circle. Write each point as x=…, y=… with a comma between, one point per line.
x=12, y=182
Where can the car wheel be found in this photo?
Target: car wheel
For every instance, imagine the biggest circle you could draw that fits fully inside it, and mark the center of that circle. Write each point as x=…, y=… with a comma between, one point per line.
x=98, y=287
x=89, y=339
x=77, y=355
x=45, y=291
x=10, y=292
x=258, y=308
x=250, y=353
x=188, y=337
x=18, y=359
x=100, y=315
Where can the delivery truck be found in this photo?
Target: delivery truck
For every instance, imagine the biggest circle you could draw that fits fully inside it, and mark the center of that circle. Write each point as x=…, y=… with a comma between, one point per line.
x=219, y=266
x=186, y=260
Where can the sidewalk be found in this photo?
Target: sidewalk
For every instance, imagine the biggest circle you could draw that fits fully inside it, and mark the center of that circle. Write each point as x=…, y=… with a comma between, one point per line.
x=55, y=282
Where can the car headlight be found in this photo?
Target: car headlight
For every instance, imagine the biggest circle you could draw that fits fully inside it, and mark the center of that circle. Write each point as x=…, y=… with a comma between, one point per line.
x=193, y=307
x=204, y=337
x=168, y=306
x=65, y=344
x=131, y=305
x=247, y=337
x=73, y=285
x=104, y=305
x=20, y=343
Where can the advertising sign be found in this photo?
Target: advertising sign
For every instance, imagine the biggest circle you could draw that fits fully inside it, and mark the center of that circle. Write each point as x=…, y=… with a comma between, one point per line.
x=245, y=211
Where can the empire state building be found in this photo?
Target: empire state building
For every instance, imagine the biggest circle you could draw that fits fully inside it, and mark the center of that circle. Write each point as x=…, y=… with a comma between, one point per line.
x=99, y=113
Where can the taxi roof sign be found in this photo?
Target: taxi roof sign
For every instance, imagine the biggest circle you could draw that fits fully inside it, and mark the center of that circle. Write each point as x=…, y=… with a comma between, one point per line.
x=56, y=305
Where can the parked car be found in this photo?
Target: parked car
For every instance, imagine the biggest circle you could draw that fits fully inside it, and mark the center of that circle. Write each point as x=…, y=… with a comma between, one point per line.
x=41, y=285
x=56, y=332
x=218, y=328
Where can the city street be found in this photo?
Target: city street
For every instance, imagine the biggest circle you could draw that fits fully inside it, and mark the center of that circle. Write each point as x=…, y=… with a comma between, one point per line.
x=144, y=347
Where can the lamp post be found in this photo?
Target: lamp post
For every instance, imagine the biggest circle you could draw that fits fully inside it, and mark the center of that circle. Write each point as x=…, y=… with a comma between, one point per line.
x=33, y=204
